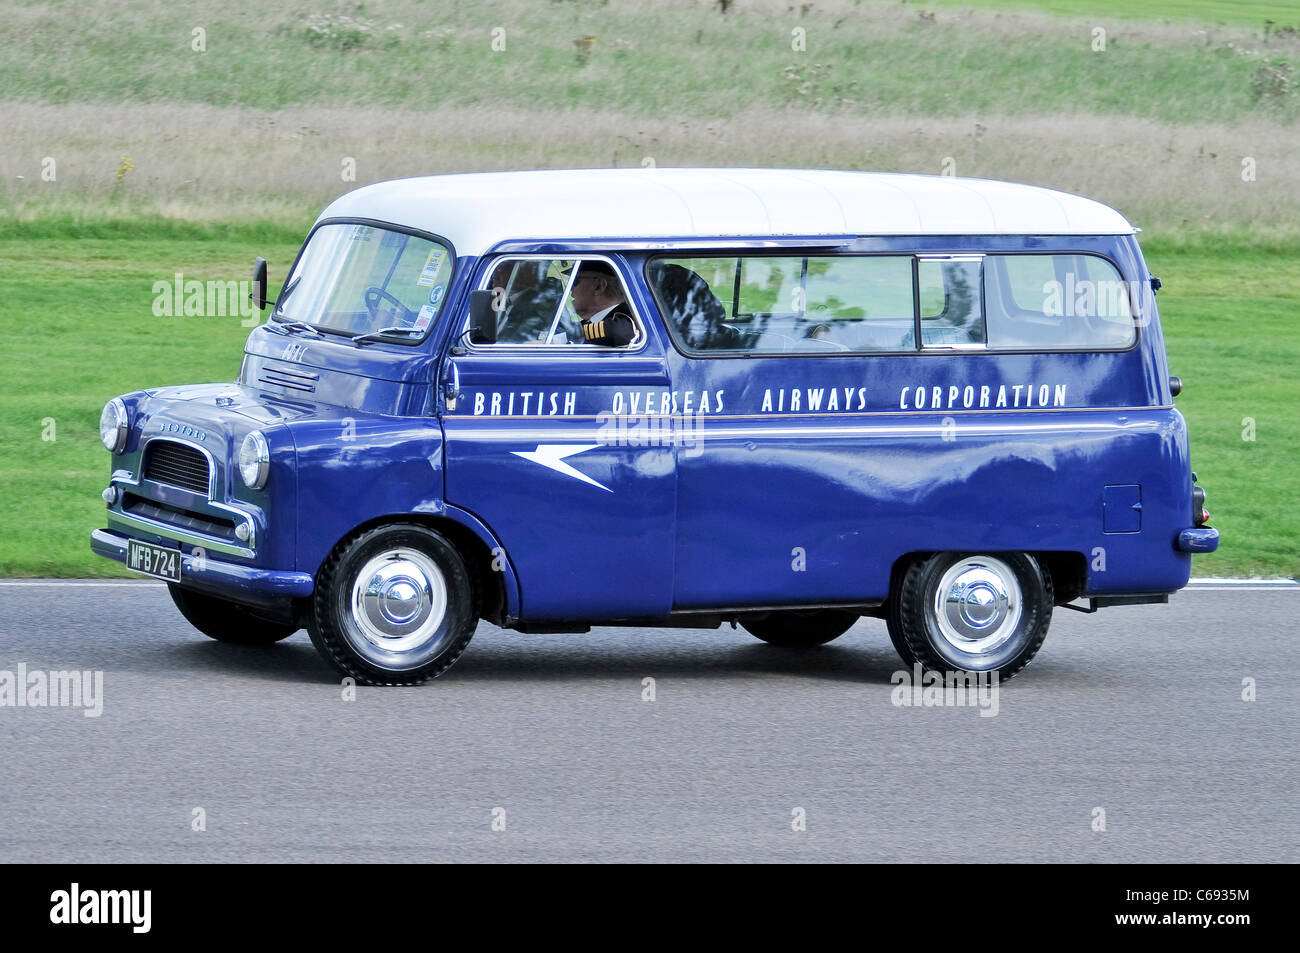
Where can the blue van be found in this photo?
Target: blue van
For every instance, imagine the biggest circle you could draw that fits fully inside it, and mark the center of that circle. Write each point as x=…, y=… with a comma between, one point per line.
x=674, y=397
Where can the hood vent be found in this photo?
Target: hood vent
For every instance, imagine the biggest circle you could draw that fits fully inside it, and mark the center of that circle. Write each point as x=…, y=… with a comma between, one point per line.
x=293, y=378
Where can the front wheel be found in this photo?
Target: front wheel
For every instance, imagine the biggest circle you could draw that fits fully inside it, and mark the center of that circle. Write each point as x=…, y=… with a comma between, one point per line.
x=971, y=612
x=393, y=606
x=225, y=621
x=801, y=628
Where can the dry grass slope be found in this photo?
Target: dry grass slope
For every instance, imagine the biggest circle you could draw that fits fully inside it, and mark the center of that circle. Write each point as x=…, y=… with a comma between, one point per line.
x=261, y=122
x=210, y=162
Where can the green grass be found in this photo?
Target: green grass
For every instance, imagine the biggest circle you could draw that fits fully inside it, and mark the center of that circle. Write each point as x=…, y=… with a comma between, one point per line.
x=674, y=59
x=79, y=329
x=1228, y=314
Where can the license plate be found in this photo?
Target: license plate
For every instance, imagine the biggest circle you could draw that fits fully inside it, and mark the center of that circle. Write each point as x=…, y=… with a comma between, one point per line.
x=153, y=560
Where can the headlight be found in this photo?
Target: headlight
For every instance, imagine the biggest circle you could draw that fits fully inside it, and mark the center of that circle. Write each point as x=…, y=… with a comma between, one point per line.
x=113, y=425
x=254, y=460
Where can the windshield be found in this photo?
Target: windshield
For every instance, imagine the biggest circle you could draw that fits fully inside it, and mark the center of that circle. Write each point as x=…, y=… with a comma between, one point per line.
x=358, y=279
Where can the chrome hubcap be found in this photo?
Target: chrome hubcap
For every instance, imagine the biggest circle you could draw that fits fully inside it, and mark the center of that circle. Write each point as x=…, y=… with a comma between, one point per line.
x=978, y=605
x=398, y=602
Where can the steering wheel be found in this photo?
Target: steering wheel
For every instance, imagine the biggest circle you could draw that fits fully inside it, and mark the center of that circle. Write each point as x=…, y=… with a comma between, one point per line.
x=374, y=295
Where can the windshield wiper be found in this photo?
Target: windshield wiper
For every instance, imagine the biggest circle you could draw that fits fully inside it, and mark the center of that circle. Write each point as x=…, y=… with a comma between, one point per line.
x=298, y=326
x=371, y=335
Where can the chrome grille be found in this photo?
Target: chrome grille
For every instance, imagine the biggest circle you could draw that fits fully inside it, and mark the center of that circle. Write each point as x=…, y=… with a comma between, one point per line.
x=176, y=464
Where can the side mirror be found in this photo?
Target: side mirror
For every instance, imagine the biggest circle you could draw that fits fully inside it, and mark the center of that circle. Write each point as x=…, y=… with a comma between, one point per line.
x=258, y=294
x=482, y=318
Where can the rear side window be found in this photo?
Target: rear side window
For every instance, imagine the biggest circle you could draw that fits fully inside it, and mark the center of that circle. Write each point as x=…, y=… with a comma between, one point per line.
x=794, y=304
x=1036, y=302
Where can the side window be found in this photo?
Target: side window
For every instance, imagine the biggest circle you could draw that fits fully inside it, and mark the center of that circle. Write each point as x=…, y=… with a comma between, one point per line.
x=1037, y=302
x=786, y=304
x=952, y=313
x=791, y=304
x=527, y=294
x=561, y=301
x=863, y=303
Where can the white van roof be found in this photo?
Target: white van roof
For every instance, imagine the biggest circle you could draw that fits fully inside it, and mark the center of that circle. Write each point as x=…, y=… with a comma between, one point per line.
x=476, y=211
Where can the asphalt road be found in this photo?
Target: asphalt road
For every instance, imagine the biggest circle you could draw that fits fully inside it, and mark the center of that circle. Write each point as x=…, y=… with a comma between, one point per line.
x=1136, y=711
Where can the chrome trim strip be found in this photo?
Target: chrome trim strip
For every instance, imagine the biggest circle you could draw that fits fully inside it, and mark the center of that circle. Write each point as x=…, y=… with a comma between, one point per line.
x=168, y=531
x=823, y=415
x=702, y=431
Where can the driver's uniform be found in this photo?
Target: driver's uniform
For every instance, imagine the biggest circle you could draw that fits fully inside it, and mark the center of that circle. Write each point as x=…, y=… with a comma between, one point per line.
x=613, y=327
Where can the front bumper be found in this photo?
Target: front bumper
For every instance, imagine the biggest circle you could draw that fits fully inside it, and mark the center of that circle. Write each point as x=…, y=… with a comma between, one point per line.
x=231, y=580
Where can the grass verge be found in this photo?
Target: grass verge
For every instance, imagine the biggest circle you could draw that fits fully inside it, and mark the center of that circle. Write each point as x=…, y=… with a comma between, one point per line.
x=77, y=316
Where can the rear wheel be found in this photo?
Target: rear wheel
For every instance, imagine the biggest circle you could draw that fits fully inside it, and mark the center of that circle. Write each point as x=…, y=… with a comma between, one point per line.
x=393, y=606
x=972, y=612
x=801, y=628
x=226, y=621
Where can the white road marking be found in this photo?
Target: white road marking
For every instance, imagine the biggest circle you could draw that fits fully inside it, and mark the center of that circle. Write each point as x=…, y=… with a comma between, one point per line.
x=1242, y=588
x=80, y=583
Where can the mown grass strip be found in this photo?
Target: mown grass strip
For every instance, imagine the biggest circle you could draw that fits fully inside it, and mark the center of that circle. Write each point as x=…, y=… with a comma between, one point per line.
x=78, y=321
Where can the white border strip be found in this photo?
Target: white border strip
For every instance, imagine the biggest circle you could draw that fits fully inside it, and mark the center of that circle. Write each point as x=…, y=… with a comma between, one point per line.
x=80, y=583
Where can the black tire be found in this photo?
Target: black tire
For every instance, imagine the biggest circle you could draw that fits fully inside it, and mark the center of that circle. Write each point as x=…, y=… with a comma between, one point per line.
x=896, y=635
x=954, y=644
x=892, y=624
x=801, y=628
x=226, y=621
x=368, y=635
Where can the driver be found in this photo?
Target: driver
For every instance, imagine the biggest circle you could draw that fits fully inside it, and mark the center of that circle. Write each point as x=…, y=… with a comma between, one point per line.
x=598, y=300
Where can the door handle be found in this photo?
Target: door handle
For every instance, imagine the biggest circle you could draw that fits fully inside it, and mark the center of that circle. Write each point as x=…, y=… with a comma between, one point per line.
x=451, y=385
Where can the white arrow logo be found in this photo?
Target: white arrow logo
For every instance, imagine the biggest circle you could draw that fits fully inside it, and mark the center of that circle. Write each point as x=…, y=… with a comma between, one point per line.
x=551, y=456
